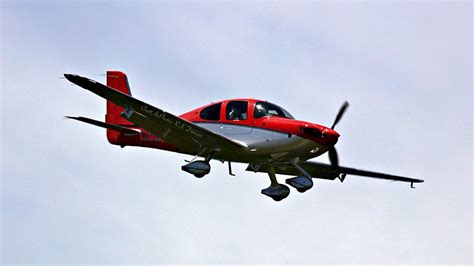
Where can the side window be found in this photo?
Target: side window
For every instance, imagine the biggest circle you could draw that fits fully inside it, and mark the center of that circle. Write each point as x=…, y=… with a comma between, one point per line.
x=236, y=110
x=212, y=112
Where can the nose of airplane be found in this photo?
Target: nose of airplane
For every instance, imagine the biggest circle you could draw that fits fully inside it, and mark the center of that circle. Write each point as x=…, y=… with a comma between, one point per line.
x=331, y=135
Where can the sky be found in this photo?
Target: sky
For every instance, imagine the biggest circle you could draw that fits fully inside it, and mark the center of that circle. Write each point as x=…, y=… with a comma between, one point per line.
x=68, y=196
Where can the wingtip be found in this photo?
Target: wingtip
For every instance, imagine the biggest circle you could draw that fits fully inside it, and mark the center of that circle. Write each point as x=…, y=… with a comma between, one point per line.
x=418, y=180
x=69, y=76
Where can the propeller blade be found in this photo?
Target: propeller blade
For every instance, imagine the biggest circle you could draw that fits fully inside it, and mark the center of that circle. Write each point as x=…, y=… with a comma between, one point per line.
x=333, y=158
x=341, y=112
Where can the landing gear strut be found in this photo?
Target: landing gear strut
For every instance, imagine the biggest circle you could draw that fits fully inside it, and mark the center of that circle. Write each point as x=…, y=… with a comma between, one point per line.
x=276, y=191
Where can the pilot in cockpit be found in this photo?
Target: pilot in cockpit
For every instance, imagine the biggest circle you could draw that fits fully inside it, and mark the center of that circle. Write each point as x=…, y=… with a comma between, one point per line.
x=235, y=114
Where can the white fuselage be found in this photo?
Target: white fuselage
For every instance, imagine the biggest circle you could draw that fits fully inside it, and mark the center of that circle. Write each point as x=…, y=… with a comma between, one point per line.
x=268, y=145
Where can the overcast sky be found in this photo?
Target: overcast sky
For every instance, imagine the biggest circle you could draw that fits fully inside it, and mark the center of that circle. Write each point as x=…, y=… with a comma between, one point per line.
x=70, y=197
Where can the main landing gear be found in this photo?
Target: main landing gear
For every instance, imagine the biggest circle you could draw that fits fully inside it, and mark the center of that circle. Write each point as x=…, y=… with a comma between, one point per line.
x=197, y=168
x=276, y=191
x=301, y=183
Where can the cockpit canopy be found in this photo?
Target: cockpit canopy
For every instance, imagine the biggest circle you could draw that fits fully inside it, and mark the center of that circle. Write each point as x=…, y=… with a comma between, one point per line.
x=241, y=110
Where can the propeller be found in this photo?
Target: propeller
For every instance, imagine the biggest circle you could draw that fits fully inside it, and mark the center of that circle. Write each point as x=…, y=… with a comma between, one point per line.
x=341, y=112
x=332, y=152
x=333, y=158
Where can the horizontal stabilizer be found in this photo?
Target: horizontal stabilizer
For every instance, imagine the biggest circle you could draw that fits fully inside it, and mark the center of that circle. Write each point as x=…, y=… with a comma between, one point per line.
x=125, y=130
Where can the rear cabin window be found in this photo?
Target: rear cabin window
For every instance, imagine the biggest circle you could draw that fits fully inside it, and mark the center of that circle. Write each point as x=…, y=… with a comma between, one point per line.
x=212, y=112
x=236, y=110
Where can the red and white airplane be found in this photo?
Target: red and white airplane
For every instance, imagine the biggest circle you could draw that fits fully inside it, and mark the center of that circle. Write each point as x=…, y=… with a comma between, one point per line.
x=258, y=133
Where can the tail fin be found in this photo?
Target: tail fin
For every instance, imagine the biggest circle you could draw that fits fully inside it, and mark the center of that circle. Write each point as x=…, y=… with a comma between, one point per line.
x=117, y=80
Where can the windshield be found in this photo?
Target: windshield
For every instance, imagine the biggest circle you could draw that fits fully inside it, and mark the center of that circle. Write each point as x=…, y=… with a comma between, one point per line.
x=269, y=109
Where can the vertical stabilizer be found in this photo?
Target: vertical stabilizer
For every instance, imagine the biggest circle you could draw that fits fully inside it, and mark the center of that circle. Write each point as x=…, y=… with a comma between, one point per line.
x=117, y=80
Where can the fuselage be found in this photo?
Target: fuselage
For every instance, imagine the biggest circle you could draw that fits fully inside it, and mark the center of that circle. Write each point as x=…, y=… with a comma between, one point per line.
x=270, y=132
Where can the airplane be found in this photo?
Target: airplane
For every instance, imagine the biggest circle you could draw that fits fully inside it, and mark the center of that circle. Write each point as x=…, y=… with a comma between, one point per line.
x=246, y=130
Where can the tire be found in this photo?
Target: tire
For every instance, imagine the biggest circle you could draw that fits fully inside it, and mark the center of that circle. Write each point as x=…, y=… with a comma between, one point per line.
x=301, y=190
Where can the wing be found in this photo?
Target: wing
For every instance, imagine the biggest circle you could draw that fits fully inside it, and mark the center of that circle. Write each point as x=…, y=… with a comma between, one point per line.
x=184, y=135
x=326, y=171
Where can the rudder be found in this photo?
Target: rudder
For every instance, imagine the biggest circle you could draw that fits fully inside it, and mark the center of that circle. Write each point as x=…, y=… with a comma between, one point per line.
x=117, y=80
